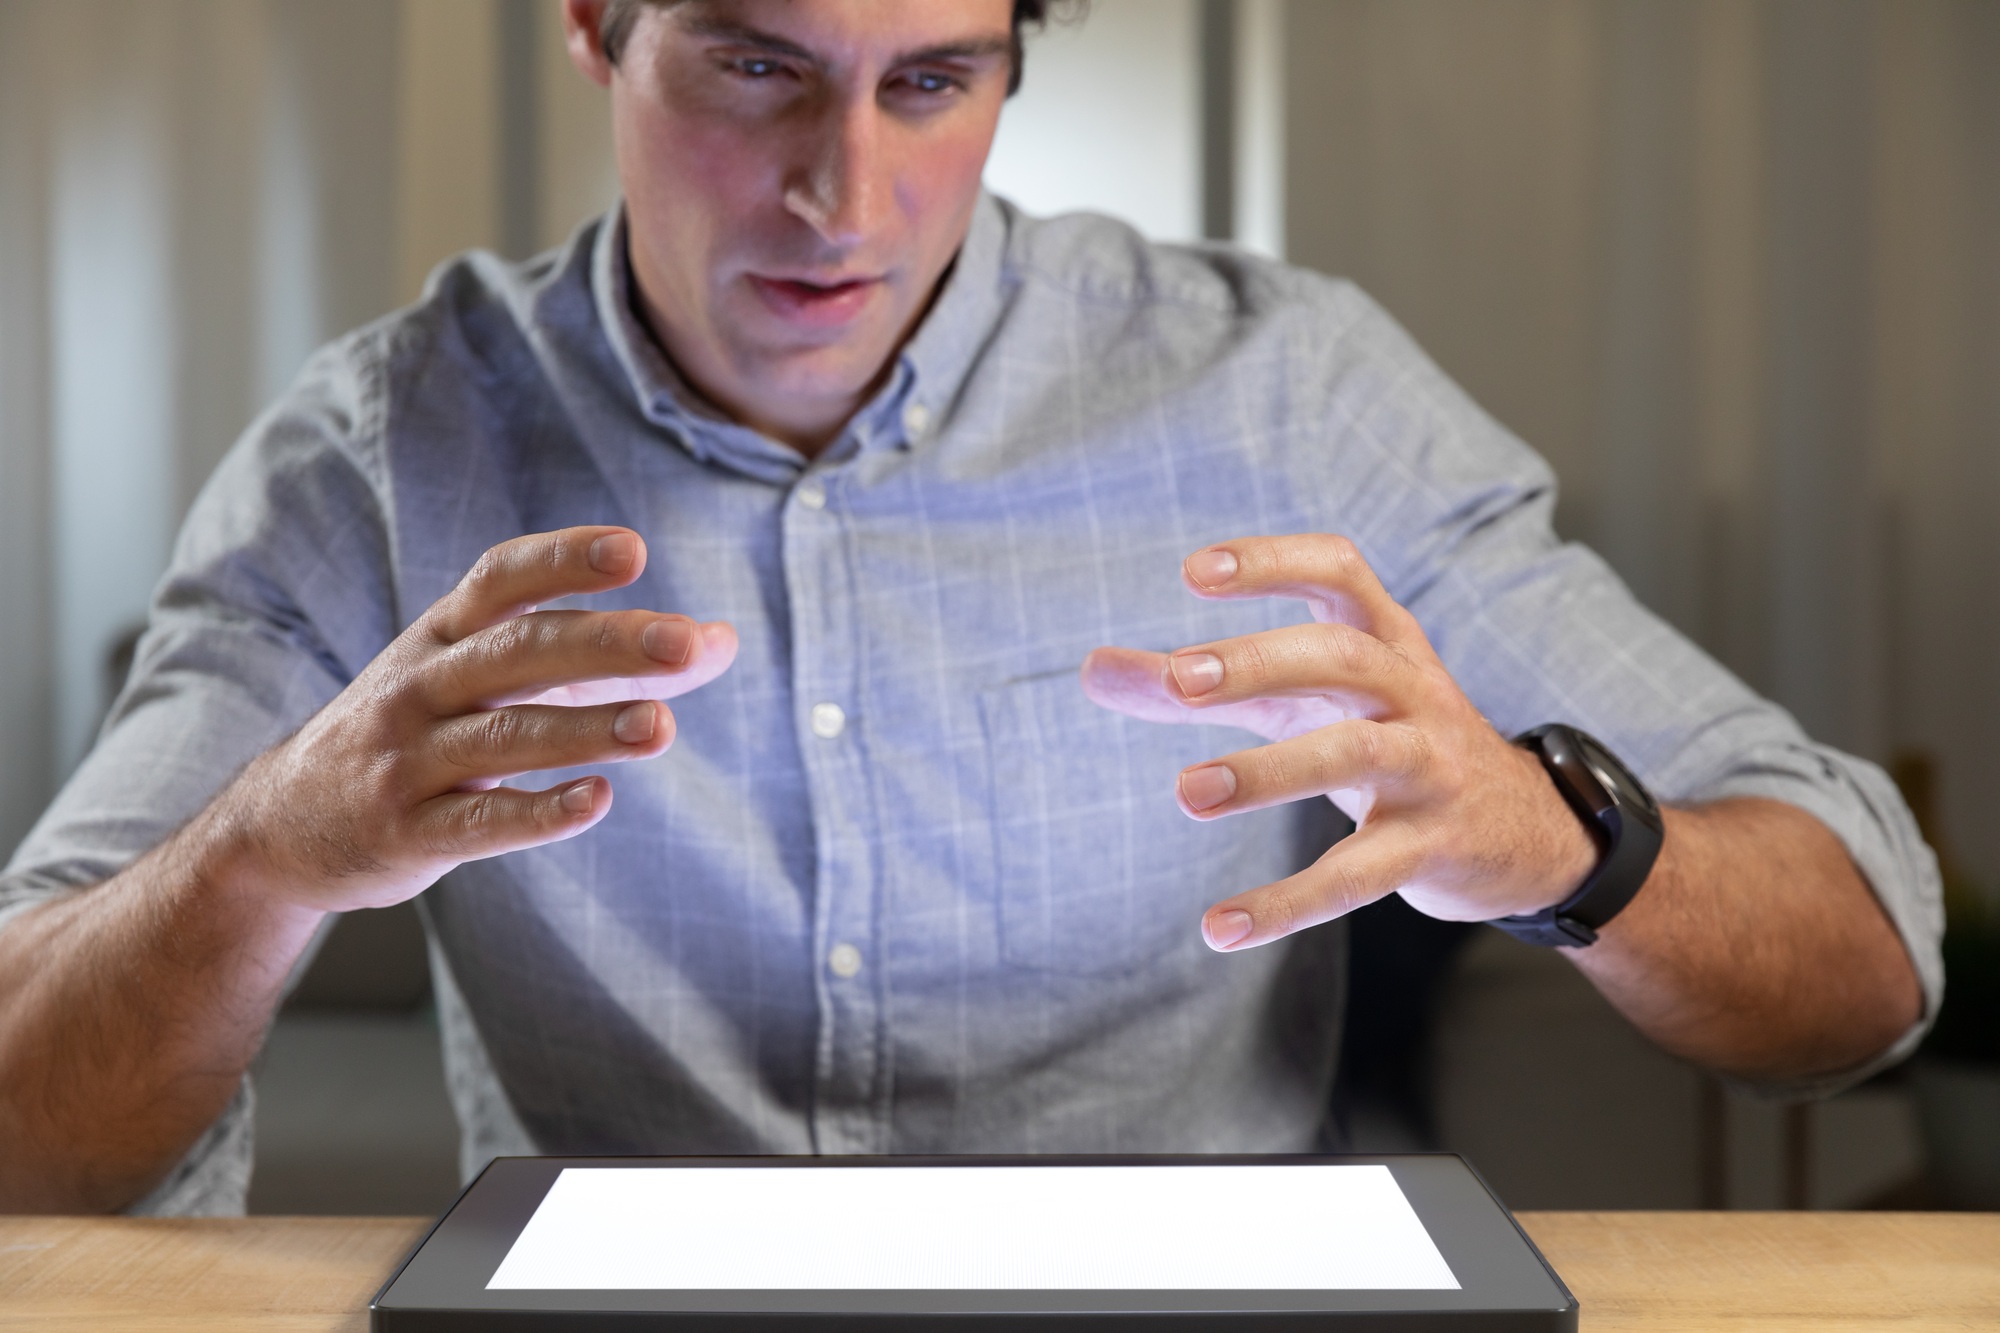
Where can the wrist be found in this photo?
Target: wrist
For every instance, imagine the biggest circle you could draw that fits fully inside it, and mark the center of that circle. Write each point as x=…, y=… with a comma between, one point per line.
x=1625, y=823
x=1574, y=846
x=227, y=863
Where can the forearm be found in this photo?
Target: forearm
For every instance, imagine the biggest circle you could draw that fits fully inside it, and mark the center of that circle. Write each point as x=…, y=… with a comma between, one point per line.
x=128, y=1013
x=1756, y=948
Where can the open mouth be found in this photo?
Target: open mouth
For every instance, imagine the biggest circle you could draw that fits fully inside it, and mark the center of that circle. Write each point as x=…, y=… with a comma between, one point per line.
x=815, y=303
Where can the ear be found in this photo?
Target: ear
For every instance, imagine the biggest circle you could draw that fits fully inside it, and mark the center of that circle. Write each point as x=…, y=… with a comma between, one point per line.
x=582, y=21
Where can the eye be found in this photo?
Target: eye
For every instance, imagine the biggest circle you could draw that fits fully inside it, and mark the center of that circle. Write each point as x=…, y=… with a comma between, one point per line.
x=756, y=67
x=930, y=83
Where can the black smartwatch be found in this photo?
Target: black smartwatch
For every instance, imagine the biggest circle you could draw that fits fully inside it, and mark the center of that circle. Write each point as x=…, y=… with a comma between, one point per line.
x=1623, y=819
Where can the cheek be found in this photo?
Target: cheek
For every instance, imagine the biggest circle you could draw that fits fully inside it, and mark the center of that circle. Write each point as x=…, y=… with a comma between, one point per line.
x=940, y=184
x=691, y=177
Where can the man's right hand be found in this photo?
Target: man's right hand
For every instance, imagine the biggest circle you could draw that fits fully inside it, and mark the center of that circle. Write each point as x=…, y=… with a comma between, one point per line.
x=129, y=1012
x=398, y=779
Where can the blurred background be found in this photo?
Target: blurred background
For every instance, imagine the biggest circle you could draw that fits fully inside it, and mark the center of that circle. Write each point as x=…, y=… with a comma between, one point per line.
x=1732, y=265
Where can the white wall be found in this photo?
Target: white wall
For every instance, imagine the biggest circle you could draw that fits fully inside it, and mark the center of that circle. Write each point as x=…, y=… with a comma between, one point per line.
x=1109, y=119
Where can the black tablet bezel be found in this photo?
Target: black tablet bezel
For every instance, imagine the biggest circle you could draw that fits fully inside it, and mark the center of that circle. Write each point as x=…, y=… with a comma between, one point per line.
x=1505, y=1284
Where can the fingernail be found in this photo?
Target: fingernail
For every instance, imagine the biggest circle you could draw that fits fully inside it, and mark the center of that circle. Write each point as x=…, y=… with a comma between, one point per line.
x=614, y=552
x=578, y=798
x=1211, y=569
x=1208, y=786
x=668, y=641
x=1226, y=928
x=634, y=725
x=1196, y=673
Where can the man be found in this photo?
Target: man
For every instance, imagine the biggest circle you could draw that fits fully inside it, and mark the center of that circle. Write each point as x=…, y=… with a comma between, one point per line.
x=865, y=468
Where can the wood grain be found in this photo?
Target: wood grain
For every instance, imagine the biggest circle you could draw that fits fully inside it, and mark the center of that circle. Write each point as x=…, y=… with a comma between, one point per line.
x=146, y=1274
x=1756, y=1271
x=1686, y=1272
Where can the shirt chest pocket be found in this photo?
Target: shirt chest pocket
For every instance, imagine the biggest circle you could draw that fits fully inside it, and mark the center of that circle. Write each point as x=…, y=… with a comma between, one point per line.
x=1097, y=870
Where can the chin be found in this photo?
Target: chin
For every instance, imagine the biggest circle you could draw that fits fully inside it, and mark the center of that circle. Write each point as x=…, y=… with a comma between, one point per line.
x=841, y=371
x=822, y=383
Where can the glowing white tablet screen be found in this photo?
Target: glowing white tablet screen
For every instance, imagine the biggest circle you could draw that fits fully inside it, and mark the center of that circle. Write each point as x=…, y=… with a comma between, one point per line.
x=975, y=1228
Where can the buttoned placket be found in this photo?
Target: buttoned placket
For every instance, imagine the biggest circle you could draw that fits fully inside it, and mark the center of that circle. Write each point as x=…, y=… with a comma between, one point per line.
x=846, y=951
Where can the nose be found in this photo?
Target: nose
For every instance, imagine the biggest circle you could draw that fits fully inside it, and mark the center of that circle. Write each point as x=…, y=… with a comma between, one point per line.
x=841, y=187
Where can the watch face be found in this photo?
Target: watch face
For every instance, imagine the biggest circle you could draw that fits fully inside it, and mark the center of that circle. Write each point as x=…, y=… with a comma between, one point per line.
x=1622, y=786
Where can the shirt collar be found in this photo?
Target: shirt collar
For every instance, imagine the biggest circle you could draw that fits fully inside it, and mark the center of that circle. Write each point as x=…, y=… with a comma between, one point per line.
x=939, y=356
x=914, y=403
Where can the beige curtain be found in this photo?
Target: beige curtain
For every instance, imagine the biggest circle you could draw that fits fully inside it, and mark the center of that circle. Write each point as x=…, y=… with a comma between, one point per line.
x=193, y=195
x=1734, y=267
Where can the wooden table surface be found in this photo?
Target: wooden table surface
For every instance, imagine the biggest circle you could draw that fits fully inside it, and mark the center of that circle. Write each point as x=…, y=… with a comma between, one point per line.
x=1684, y=1271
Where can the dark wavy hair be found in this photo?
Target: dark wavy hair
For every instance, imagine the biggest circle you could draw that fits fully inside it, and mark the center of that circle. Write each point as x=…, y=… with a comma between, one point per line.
x=619, y=15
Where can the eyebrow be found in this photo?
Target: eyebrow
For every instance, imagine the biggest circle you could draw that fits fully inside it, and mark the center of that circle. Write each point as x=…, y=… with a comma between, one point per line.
x=719, y=29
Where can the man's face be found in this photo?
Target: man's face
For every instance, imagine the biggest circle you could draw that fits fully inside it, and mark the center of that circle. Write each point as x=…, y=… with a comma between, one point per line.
x=798, y=174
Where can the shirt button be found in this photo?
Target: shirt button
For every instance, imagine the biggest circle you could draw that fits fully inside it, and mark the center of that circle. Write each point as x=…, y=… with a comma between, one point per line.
x=916, y=420
x=812, y=495
x=844, y=959
x=828, y=721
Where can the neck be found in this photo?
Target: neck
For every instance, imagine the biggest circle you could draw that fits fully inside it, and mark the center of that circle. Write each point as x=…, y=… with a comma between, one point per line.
x=809, y=427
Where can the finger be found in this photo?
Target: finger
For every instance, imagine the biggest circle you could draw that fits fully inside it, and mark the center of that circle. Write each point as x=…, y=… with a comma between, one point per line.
x=718, y=651
x=522, y=574
x=1343, y=757
x=469, y=826
x=1326, y=571
x=1330, y=661
x=1132, y=681
x=529, y=737
x=1356, y=871
x=1129, y=681
x=520, y=658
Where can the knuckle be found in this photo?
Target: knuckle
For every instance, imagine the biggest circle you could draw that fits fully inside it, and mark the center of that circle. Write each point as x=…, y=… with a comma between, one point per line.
x=559, y=550
x=1369, y=744
x=510, y=638
x=1394, y=752
x=1343, y=556
x=1345, y=888
x=454, y=746
x=1282, y=911
x=452, y=675
x=499, y=645
x=387, y=680
x=456, y=831
x=1419, y=753
x=499, y=731
x=1252, y=664
x=608, y=634
x=1331, y=759
x=431, y=630
x=472, y=743
x=488, y=569
x=1346, y=649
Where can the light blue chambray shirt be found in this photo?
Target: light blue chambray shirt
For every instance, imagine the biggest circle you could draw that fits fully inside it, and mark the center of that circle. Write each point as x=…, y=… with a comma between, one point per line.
x=960, y=913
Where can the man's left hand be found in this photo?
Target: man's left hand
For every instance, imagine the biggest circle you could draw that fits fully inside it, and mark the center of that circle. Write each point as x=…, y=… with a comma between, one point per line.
x=1359, y=709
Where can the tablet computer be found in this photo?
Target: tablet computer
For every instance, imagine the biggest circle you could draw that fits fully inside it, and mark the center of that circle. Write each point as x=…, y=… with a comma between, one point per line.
x=988, y=1243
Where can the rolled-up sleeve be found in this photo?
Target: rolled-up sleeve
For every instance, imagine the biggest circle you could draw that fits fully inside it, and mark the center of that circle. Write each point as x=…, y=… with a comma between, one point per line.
x=277, y=593
x=1456, y=514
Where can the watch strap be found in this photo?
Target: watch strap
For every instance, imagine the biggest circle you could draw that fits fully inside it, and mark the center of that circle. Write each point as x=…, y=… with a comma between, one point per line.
x=1625, y=823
